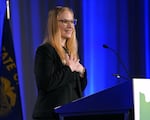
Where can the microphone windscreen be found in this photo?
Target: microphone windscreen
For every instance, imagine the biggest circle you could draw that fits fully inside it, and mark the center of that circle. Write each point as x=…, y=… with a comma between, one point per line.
x=105, y=46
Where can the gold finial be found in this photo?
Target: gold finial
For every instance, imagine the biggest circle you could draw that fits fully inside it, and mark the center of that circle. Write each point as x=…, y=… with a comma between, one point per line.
x=8, y=9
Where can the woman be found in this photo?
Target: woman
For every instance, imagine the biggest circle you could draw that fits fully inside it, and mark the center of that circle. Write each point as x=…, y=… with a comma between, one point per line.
x=60, y=77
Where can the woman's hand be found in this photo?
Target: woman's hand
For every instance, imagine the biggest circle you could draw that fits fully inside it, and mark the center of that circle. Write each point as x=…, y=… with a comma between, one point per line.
x=75, y=65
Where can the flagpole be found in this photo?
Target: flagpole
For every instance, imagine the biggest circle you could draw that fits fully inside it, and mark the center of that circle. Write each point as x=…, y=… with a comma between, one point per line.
x=8, y=9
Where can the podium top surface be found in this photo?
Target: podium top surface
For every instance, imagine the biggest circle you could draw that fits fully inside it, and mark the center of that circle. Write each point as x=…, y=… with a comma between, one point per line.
x=116, y=98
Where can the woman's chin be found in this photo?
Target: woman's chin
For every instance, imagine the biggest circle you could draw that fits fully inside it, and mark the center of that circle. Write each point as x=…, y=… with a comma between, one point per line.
x=67, y=37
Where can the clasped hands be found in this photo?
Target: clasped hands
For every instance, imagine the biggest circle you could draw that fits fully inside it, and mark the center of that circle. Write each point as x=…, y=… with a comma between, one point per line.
x=75, y=65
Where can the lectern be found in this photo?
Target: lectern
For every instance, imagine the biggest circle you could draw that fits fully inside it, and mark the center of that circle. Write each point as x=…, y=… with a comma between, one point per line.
x=115, y=103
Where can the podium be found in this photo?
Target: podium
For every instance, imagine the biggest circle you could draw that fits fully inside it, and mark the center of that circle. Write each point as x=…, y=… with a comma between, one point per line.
x=115, y=103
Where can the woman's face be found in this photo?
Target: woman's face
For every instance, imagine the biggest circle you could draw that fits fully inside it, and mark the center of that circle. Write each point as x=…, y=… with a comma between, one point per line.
x=66, y=24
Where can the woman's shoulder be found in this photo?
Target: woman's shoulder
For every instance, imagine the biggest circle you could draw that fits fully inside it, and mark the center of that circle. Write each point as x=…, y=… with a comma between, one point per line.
x=45, y=47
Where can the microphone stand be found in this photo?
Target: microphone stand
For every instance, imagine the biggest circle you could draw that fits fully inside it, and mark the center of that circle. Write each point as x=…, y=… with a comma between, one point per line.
x=120, y=60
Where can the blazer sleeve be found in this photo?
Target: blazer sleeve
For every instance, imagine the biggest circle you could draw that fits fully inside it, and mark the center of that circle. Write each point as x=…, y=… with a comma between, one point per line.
x=49, y=71
x=83, y=81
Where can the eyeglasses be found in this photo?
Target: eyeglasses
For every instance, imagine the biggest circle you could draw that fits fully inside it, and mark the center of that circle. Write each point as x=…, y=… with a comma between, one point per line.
x=66, y=22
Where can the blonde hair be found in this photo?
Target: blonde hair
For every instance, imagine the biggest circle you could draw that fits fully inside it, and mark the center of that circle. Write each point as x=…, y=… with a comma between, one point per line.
x=53, y=35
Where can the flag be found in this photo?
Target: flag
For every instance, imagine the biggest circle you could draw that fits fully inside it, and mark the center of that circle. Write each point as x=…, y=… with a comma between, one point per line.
x=10, y=102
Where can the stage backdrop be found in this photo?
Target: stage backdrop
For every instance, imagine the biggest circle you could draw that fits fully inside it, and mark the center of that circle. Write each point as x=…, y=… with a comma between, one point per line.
x=123, y=25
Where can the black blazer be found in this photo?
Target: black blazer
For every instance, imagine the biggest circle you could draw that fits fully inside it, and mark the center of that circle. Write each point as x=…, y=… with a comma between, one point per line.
x=56, y=83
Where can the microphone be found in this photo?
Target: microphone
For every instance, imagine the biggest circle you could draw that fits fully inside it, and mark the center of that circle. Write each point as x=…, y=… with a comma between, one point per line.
x=121, y=62
x=105, y=46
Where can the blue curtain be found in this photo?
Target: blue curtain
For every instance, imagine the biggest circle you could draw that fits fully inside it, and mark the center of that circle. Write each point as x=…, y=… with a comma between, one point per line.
x=105, y=22
x=121, y=24
x=124, y=26
x=2, y=13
